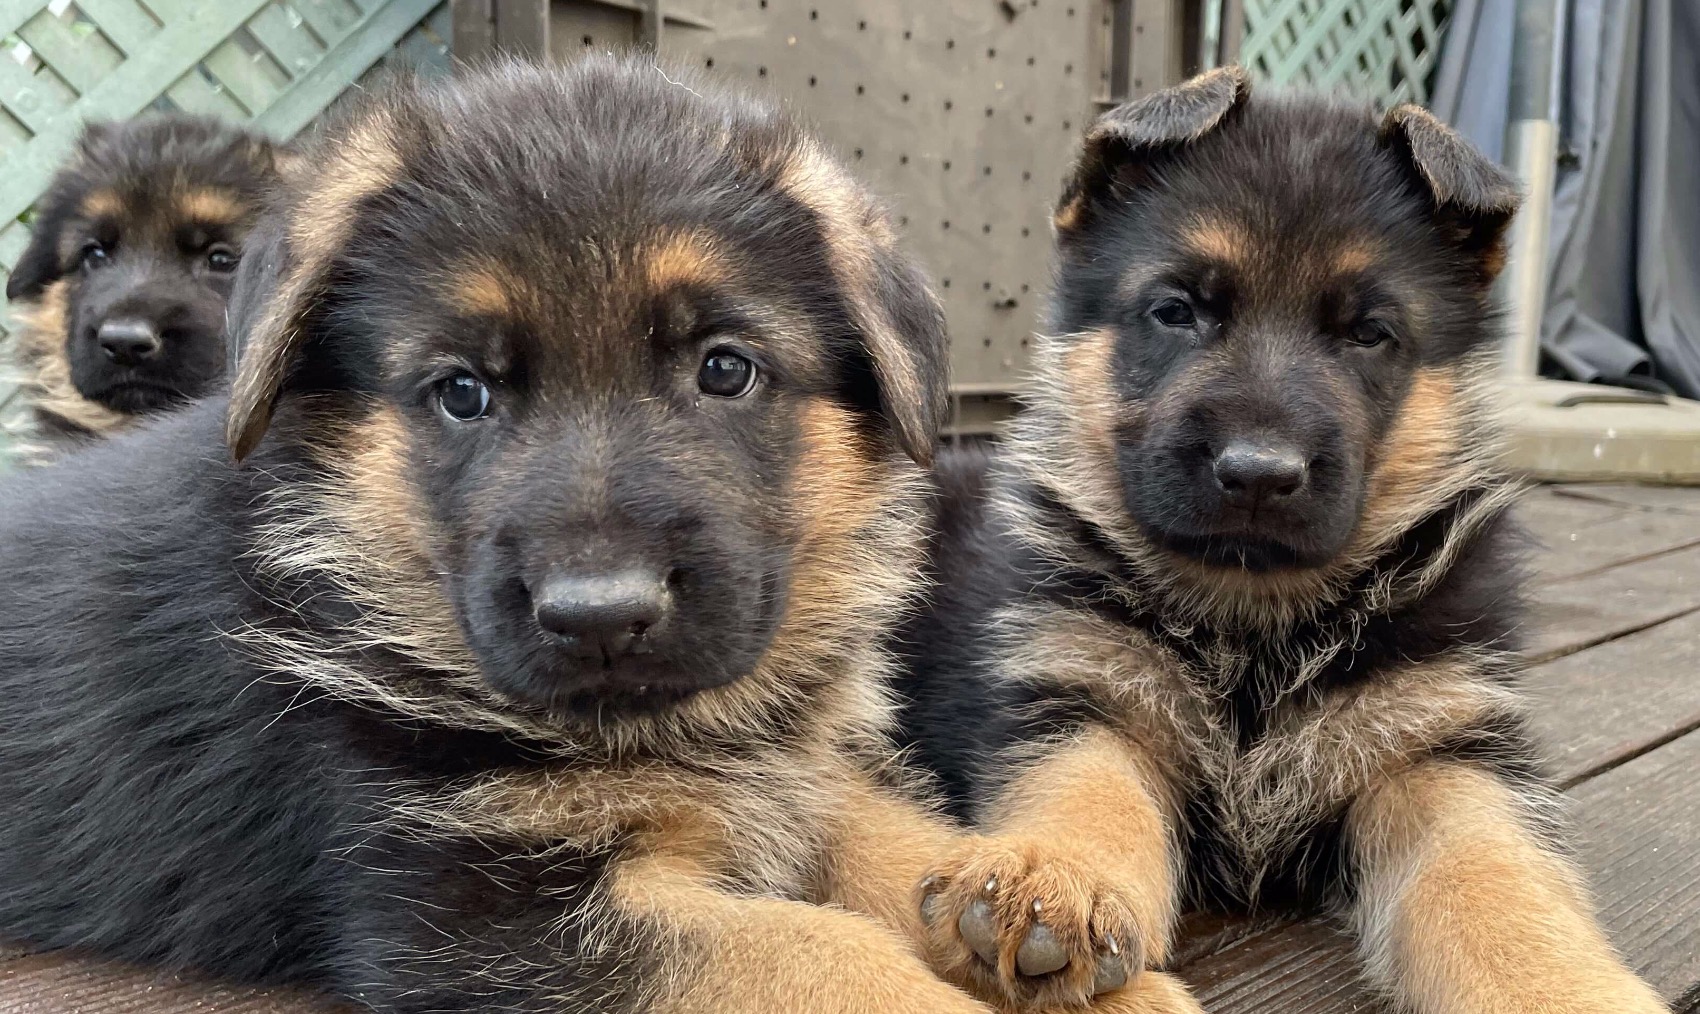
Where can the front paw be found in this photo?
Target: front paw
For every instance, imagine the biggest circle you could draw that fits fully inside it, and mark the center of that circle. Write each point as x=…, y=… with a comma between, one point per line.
x=1020, y=924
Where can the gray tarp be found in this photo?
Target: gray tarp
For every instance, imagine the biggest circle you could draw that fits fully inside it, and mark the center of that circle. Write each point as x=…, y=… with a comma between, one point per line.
x=1623, y=304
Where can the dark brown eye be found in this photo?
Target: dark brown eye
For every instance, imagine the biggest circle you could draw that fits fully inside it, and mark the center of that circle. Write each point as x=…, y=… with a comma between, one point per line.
x=464, y=397
x=222, y=259
x=1174, y=313
x=95, y=255
x=1370, y=333
x=726, y=374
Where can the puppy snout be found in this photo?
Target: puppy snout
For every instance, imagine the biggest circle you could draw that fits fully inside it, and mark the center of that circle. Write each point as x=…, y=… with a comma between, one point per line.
x=129, y=342
x=1252, y=473
x=604, y=616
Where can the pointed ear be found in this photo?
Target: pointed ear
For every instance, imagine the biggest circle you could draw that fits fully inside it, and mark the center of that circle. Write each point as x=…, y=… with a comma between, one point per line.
x=286, y=268
x=40, y=264
x=1120, y=145
x=1474, y=199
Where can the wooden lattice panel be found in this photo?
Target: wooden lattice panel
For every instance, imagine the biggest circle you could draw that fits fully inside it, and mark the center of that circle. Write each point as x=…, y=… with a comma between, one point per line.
x=1382, y=50
x=274, y=64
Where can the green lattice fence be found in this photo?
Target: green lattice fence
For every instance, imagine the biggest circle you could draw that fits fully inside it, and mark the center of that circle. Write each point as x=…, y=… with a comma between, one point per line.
x=275, y=64
x=1385, y=50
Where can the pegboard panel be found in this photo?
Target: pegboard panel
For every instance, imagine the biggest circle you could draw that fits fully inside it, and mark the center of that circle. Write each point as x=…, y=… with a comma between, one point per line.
x=963, y=114
x=1382, y=50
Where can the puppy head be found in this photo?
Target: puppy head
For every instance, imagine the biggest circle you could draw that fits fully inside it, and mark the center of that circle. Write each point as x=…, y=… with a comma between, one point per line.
x=134, y=251
x=630, y=371
x=1269, y=306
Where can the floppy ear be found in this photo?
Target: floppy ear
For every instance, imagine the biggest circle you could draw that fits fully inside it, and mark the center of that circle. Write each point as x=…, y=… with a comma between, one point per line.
x=286, y=267
x=902, y=326
x=1474, y=199
x=1120, y=144
x=273, y=295
x=39, y=266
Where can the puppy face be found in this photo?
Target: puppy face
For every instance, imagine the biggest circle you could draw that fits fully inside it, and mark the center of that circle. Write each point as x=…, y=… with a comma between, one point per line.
x=637, y=359
x=135, y=246
x=1281, y=293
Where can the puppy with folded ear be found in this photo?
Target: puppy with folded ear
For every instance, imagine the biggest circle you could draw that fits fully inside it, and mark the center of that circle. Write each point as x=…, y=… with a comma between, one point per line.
x=1236, y=627
x=529, y=659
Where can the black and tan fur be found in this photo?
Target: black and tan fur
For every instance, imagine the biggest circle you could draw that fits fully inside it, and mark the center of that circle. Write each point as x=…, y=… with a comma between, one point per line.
x=1159, y=683
x=307, y=719
x=118, y=300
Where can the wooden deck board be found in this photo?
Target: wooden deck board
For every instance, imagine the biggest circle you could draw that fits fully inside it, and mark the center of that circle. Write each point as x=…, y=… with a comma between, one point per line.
x=1617, y=620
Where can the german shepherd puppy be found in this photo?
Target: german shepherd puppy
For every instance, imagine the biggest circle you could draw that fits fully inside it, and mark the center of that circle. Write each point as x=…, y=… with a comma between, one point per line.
x=1238, y=627
x=530, y=659
x=120, y=296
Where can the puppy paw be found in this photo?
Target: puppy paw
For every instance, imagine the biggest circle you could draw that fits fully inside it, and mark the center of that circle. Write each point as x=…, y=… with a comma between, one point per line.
x=1024, y=926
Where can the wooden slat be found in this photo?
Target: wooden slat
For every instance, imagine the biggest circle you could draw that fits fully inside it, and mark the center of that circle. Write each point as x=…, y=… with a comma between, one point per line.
x=251, y=78
x=359, y=50
x=295, y=51
x=81, y=59
x=1576, y=536
x=125, y=22
x=474, y=29
x=1599, y=707
x=1676, y=498
x=37, y=100
x=1640, y=842
x=13, y=14
x=55, y=984
x=1573, y=614
x=192, y=93
x=331, y=19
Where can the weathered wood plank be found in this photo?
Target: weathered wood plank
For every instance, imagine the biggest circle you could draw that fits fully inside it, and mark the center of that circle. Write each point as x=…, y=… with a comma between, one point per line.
x=1570, y=615
x=1599, y=707
x=1674, y=498
x=54, y=984
x=1575, y=537
x=1640, y=841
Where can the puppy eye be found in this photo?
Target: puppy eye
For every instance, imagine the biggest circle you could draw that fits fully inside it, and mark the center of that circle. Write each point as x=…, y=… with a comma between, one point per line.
x=95, y=255
x=1370, y=333
x=726, y=374
x=1174, y=313
x=464, y=397
x=222, y=259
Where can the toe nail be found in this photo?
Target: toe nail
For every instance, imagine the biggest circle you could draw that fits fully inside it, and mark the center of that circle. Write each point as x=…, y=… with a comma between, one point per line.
x=1111, y=974
x=1041, y=953
x=979, y=932
x=929, y=908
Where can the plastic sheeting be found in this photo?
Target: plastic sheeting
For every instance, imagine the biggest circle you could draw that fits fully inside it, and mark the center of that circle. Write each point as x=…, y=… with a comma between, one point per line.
x=1623, y=300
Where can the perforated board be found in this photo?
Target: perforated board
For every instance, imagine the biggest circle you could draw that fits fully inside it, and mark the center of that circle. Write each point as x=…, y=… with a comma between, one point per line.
x=964, y=114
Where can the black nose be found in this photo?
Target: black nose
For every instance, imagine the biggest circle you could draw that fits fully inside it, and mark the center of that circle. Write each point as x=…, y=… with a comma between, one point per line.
x=1250, y=473
x=128, y=342
x=604, y=616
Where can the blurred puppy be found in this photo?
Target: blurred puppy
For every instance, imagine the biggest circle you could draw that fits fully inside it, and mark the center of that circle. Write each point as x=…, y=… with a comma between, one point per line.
x=119, y=298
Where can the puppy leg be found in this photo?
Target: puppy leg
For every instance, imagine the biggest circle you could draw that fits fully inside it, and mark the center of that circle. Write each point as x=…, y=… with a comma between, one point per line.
x=1461, y=910
x=882, y=846
x=746, y=955
x=1072, y=889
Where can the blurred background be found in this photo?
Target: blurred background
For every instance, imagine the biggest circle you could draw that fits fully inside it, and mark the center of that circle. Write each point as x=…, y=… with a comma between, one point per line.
x=964, y=113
